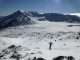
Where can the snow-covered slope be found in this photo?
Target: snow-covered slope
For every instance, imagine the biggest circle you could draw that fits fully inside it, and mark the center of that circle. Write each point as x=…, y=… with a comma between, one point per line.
x=29, y=41
x=77, y=14
x=18, y=18
x=28, y=35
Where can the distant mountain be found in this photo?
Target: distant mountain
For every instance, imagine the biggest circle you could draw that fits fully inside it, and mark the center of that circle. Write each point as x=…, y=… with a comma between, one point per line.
x=1, y=17
x=15, y=19
x=22, y=17
x=77, y=14
x=74, y=18
x=55, y=17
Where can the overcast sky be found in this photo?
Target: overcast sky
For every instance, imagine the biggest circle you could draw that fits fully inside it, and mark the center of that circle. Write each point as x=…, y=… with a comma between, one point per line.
x=42, y=6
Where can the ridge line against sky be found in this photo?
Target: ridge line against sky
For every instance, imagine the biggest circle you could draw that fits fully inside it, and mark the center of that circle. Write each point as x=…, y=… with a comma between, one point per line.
x=46, y=6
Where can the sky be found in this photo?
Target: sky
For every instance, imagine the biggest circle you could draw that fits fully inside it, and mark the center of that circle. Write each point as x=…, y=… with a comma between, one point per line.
x=42, y=6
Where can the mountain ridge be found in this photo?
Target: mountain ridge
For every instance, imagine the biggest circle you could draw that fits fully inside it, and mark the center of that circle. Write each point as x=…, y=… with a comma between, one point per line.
x=15, y=19
x=22, y=17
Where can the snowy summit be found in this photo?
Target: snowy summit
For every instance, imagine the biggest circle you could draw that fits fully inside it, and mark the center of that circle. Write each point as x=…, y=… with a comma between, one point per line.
x=22, y=10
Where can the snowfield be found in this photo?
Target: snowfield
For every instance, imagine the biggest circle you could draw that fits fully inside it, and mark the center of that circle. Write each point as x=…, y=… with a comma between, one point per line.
x=33, y=41
x=77, y=14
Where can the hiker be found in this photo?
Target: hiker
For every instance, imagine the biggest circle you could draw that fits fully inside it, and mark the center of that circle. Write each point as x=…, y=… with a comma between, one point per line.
x=50, y=45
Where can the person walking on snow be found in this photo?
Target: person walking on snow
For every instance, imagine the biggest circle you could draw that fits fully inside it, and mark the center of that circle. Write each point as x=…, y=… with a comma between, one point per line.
x=50, y=45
